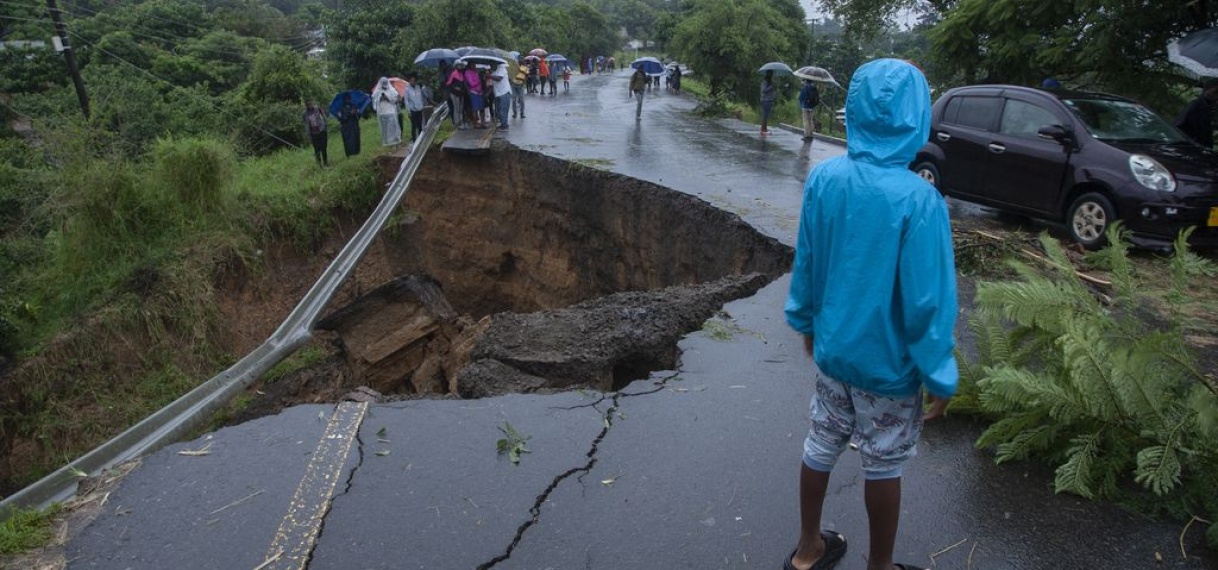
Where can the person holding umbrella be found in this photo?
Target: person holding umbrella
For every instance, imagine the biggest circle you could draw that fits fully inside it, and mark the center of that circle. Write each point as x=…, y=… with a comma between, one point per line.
x=638, y=83
x=767, y=100
x=1196, y=120
x=809, y=98
x=348, y=119
x=385, y=100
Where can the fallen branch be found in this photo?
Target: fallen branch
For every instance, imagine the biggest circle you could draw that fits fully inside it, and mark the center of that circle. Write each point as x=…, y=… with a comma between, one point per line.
x=239, y=501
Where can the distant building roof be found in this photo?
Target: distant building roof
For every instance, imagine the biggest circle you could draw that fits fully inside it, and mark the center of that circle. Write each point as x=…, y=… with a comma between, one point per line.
x=23, y=44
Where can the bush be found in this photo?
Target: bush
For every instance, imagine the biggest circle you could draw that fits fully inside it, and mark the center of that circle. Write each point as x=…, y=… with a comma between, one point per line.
x=1115, y=402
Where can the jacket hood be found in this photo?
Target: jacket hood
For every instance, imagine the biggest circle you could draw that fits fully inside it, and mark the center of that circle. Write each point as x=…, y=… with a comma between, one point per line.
x=887, y=113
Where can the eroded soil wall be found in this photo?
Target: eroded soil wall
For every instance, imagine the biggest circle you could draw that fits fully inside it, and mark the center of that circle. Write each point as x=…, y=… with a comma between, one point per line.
x=520, y=231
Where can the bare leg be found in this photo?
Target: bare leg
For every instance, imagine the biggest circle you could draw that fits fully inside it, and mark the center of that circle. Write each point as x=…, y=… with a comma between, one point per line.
x=812, y=487
x=883, y=498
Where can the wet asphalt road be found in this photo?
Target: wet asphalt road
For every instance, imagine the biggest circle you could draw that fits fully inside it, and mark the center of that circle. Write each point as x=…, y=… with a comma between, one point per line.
x=692, y=468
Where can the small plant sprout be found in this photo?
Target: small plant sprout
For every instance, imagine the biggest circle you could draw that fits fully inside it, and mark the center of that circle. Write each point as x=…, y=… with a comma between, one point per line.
x=513, y=444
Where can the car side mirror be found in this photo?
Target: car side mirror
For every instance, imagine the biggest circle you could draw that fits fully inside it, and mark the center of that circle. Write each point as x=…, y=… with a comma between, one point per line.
x=1054, y=132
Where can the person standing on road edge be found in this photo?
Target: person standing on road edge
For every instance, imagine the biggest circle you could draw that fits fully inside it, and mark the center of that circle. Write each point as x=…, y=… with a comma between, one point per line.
x=876, y=302
x=1196, y=120
x=809, y=98
x=522, y=75
x=638, y=83
x=767, y=100
x=543, y=74
x=415, y=102
x=348, y=121
x=315, y=124
x=503, y=94
x=385, y=100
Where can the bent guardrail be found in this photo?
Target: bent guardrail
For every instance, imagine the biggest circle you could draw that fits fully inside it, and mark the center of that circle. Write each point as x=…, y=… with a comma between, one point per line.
x=190, y=411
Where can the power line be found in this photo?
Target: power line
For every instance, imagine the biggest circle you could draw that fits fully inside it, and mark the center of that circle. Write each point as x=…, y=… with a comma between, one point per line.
x=171, y=84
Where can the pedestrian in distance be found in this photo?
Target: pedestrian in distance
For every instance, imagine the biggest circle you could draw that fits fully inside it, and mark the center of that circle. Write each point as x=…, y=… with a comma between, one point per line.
x=543, y=76
x=348, y=120
x=503, y=93
x=315, y=126
x=767, y=100
x=879, y=326
x=638, y=84
x=554, y=71
x=566, y=78
x=416, y=100
x=457, y=92
x=385, y=100
x=518, y=85
x=1196, y=120
x=809, y=98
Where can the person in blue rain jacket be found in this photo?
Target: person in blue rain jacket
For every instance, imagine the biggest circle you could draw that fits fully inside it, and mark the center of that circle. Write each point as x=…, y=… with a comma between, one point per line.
x=873, y=291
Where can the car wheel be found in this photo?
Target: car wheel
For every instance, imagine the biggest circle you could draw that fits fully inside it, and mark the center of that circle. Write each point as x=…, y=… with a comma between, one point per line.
x=928, y=172
x=1088, y=219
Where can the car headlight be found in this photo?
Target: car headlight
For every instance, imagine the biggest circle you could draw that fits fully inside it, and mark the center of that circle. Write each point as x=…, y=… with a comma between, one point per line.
x=1149, y=173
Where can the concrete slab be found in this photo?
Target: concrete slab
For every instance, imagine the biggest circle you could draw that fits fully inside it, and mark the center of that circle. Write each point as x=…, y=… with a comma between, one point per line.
x=216, y=511
x=431, y=491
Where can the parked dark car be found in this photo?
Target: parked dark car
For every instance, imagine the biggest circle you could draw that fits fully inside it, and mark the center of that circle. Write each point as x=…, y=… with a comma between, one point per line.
x=1084, y=159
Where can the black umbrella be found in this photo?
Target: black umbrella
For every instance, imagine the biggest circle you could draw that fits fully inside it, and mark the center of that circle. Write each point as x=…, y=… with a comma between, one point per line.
x=1196, y=52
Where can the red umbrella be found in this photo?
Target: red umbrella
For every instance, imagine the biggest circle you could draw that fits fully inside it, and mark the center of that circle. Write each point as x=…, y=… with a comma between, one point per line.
x=398, y=83
x=538, y=52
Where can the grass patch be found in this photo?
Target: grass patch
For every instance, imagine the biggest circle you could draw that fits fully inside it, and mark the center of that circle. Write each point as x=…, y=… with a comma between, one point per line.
x=26, y=529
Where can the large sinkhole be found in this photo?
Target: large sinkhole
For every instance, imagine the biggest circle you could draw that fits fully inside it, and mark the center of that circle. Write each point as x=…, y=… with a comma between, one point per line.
x=519, y=272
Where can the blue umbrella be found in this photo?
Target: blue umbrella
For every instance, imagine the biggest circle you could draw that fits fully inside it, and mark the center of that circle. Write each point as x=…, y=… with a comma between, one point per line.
x=360, y=99
x=433, y=57
x=465, y=49
x=649, y=65
x=557, y=61
x=555, y=57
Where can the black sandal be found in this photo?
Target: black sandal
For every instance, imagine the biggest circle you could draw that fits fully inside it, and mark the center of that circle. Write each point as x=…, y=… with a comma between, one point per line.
x=835, y=549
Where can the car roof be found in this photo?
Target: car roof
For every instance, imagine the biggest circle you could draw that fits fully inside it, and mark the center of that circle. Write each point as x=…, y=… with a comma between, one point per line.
x=995, y=89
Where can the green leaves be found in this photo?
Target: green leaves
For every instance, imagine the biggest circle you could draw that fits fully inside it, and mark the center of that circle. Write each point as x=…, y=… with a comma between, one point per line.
x=512, y=444
x=1096, y=389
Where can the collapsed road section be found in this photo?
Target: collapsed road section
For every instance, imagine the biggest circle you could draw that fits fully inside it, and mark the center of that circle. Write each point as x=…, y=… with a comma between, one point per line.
x=518, y=272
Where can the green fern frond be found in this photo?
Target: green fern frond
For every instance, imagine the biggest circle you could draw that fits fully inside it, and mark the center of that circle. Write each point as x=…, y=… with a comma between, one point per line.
x=1158, y=468
x=1088, y=360
x=1203, y=406
x=1042, y=304
x=1190, y=263
x=1077, y=474
x=1008, y=428
x=1036, y=439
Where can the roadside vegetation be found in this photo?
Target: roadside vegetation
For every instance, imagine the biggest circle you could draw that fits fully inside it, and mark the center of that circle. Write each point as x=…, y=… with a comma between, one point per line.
x=1087, y=365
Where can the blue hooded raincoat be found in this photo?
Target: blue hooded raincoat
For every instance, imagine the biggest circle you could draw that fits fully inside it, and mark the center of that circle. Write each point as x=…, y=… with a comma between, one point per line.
x=874, y=281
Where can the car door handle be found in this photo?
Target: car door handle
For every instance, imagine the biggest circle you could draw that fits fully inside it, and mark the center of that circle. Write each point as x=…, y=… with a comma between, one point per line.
x=943, y=137
x=997, y=148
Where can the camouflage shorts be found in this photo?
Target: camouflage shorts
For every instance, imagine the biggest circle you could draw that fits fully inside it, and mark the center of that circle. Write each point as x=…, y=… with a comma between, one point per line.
x=885, y=429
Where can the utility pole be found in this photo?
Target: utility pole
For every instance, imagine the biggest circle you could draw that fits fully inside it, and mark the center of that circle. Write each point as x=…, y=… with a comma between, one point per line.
x=70, y=57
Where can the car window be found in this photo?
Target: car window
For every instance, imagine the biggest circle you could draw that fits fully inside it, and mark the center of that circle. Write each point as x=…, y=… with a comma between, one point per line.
x=1123, y=121
x=978, y=112
x=1023, y=119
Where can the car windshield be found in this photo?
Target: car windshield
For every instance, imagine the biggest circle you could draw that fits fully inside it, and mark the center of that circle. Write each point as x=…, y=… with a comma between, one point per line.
x=1123, y=121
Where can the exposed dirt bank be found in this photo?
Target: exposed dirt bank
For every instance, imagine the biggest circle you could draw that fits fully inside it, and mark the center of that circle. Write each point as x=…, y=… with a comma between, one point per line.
x=512, y=232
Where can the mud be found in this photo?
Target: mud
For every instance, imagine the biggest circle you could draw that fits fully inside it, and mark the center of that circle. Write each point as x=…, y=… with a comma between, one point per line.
x=518, y=272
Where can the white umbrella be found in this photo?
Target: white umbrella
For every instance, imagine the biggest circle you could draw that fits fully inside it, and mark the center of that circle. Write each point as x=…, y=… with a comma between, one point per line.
x=778, y=67
x=818, y=74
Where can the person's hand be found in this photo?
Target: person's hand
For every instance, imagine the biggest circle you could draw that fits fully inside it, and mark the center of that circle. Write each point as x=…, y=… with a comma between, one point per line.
x=937, y=407
x=809, y=346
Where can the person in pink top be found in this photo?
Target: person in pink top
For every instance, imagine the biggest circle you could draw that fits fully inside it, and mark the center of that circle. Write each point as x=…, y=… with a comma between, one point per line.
x=475, y=96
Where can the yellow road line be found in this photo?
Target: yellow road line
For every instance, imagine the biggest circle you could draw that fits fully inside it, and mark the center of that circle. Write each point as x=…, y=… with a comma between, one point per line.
x=298, y=531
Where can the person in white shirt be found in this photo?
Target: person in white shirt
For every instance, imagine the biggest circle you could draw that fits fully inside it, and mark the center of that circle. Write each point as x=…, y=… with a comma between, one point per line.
x=503, y=94
x=385, y=99
x=415, y=101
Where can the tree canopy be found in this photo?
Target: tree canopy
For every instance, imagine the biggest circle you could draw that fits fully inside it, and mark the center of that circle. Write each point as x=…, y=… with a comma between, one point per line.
x=1118, y=46
x=727, y=40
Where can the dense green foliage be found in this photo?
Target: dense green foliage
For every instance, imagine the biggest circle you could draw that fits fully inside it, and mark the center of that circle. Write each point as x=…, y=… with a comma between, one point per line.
x=1091, y=386
x=1119, y=46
